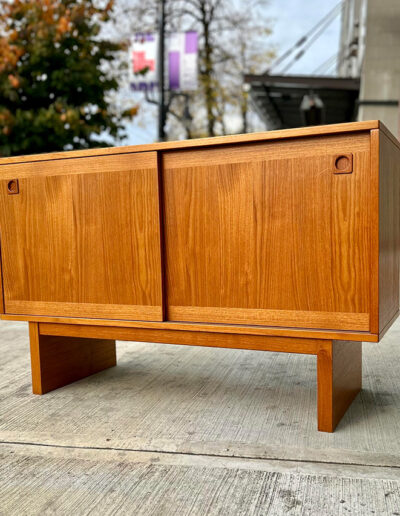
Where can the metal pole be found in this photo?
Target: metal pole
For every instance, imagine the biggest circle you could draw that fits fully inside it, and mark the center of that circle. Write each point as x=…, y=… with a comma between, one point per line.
x=161, y=86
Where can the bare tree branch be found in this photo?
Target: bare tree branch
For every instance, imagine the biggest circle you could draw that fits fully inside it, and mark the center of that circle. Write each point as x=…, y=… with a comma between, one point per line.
x=233, y=41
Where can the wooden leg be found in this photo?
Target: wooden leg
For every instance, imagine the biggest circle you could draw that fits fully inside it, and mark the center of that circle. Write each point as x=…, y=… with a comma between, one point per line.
x=58, y=361
x=339, y=380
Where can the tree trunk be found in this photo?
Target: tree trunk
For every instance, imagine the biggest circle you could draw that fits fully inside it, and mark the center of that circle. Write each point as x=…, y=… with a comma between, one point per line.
x=207, y=74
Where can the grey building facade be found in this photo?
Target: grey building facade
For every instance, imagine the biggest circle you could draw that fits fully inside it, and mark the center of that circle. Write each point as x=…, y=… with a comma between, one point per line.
x=370, y=48
x=366, y=85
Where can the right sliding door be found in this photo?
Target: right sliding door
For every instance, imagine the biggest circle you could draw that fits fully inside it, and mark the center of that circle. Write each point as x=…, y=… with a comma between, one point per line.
x=270, y=233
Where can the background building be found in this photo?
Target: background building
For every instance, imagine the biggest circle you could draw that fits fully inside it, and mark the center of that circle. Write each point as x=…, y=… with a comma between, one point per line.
x=365, y=85
x=380, y=66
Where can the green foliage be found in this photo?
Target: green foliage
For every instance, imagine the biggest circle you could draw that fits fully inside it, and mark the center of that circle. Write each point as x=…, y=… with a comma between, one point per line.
x=53, y=83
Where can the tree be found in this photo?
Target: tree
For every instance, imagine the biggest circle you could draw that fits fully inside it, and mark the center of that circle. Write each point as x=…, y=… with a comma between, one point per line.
x=232, y=41
x=53, y=76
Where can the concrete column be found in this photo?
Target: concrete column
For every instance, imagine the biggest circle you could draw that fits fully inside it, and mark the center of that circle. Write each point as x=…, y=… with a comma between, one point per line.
x=380, y=72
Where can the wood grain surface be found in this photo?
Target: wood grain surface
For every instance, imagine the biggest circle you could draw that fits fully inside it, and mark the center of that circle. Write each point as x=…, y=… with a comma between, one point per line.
x=1, y=283
x=82, y=239
x=242, y=231
x=267, y=233
x=347, y=128
x=191, y=338
x=389, y=230
x=291, y=318
x=58, y=361
x=339, y=378
x=240, y=329
x=374, y=228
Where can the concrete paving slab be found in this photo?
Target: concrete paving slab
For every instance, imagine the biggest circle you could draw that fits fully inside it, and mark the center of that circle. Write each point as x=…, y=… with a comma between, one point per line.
x=205, y=401
x=49, y=480
x=175, y=429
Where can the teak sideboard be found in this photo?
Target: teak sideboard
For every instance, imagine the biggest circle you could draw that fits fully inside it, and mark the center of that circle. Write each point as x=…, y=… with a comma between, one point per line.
x=276, y=241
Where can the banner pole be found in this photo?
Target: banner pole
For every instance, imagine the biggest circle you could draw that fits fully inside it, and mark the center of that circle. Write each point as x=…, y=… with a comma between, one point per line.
x=161, y=78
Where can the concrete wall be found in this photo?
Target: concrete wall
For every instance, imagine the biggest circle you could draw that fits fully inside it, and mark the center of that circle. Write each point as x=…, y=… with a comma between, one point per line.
x=352, y=38
x=380, y=73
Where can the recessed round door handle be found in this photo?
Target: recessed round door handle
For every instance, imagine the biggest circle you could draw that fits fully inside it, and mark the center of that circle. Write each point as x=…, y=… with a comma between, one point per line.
x=13, y=186
x=343, y=164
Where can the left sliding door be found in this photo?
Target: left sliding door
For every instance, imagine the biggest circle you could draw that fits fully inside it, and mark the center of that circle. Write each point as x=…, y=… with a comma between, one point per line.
x=80, y=237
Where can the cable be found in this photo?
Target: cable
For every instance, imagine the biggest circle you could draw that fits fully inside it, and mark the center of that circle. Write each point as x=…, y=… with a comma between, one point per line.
x=325, y=65
x=312, y=39
x=326, y=20
x=327, y=70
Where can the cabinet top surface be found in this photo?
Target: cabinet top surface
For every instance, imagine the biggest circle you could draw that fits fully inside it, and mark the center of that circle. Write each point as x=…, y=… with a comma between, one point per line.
x=207, y=142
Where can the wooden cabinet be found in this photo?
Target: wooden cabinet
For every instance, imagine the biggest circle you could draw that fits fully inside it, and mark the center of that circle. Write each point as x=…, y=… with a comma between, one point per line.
x=284, y=241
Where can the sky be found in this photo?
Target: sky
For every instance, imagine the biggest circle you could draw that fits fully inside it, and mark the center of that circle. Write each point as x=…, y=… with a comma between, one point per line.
x=289, y=20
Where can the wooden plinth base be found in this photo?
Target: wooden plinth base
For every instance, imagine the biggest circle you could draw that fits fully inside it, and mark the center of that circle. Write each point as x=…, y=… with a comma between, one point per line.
x=58, y=361
x=339, y=375
x=64, y=353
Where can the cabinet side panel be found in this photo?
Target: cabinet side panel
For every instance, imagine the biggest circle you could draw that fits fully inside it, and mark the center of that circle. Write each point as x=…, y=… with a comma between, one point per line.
x=389, y=230
x=1, y=286
x=374, y=234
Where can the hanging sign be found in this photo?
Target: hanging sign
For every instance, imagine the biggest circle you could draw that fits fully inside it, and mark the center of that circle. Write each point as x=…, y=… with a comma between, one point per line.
x=182, y=62
x=143, y=66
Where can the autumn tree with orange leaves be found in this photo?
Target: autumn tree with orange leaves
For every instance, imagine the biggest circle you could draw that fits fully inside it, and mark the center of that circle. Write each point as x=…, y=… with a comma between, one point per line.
x=53, y=78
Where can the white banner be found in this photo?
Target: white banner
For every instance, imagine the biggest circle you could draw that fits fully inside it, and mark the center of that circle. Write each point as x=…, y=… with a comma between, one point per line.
x=182, y=61
x=143, y=67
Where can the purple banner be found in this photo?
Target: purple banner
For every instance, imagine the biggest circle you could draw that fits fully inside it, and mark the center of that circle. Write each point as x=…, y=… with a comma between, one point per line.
x=173, y=63
x=190, y=42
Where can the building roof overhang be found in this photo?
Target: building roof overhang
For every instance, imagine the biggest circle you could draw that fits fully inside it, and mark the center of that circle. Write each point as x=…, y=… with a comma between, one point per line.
x=277, y=98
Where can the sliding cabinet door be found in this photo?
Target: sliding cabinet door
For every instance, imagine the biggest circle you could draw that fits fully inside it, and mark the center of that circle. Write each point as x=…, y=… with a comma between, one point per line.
x=81, y=237
x=270, y=233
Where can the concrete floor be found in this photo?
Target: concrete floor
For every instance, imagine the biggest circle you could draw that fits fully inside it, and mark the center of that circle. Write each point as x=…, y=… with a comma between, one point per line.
x=182, y=430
